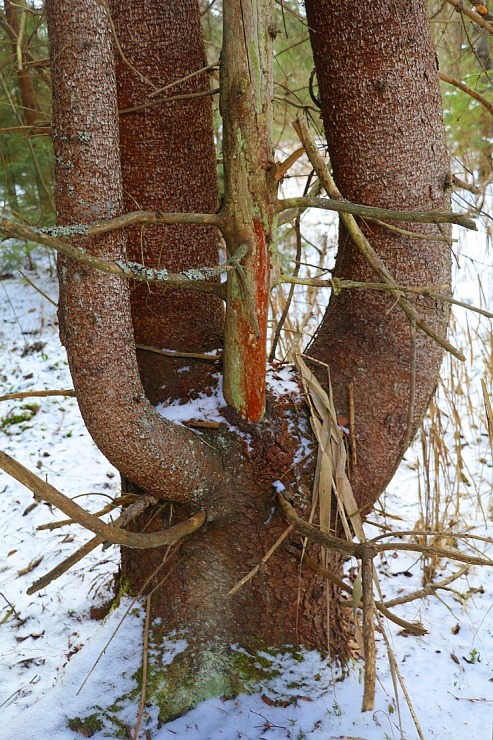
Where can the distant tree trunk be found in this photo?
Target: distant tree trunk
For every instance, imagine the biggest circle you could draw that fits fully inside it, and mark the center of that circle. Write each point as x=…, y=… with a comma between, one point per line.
x=28, y=94
x=382, y=114
x=29, y=103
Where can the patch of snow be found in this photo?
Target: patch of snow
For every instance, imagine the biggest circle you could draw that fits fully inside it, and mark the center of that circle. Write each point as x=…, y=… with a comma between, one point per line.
x=49, y=643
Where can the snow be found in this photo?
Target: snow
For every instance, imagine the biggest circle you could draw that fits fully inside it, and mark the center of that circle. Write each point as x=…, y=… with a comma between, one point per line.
x=50, y=645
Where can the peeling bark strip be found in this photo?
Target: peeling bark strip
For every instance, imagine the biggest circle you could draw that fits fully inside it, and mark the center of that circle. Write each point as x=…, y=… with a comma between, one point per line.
x=94, y=311
x=246, y=107
x=382, y=115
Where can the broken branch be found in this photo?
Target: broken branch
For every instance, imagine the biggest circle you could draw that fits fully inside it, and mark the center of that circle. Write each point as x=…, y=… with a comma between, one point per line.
x=109, y=533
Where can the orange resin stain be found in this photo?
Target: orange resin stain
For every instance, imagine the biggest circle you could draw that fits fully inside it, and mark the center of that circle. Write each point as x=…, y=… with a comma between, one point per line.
x=253, y=350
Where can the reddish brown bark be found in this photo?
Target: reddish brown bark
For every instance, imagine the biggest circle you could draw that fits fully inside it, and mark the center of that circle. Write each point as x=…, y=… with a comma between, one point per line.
x=169, y=164
x=382, y=115
x=272, y=609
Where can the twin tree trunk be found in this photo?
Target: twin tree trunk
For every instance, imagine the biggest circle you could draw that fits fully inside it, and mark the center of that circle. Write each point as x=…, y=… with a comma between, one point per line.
x=382, y=115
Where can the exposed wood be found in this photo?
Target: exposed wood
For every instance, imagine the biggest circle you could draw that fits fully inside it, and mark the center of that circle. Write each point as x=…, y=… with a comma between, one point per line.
x=246, y=108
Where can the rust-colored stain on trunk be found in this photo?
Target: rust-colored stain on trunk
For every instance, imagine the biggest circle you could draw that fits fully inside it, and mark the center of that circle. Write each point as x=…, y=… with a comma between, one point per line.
x=253, y=349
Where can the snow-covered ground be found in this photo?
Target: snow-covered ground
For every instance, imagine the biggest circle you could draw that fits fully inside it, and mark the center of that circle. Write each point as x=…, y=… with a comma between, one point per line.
x=50, y=645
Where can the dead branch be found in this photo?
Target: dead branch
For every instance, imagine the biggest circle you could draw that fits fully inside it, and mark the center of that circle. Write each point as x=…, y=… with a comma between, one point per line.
x=178, y=355
x=144, y=217
x=413, y=628
x=36, y=394
x=463, y=185
x=109, y=533
x=193, y=279
x=171, y=99
x=363, y=244
x=360, y=549
x=38, y=289
x=468, y=90
x=428, y=590
x=465, y=10
x=114, y=504
x=324, y=539
x=368, y=634
x=38, y=130
x=373, y=212
x=337, y=284
x=130, y=513
x=414, y=234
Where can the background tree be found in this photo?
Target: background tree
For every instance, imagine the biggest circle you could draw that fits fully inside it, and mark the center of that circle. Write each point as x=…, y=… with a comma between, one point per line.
x=119, y=146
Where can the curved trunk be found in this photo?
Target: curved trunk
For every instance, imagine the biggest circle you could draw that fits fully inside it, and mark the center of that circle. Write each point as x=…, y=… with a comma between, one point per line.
x=94, y=308
x=382, y=114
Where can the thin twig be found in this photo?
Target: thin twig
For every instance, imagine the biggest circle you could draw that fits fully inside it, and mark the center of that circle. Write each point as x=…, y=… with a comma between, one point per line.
x=38, y=289
x=171, y=99
x=337, y=284
x=267, y=555
x=145, y=663
x=414, y=234
x=120, y=50
x=207, y=68
x=287, y=304
x=138, y=595
x=468, y=90
x=396, y=672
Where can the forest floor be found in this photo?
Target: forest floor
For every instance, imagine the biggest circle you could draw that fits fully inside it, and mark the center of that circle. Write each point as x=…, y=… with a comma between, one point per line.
x=59, y=666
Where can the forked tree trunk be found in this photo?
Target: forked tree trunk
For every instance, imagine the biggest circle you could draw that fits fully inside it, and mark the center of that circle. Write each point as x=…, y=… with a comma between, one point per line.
x=382, y=114
x=282, y=604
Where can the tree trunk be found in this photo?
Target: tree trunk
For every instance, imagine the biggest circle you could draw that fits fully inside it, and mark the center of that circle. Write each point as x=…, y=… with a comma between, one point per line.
x=194, y=598
x=382, y=114
x=228, y=471
x=168, y=164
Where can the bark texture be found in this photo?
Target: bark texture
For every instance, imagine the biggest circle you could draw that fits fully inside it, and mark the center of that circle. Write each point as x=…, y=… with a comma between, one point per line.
x=94, y=308
x=382, y=115
x=168, y=164
x=279, y=605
